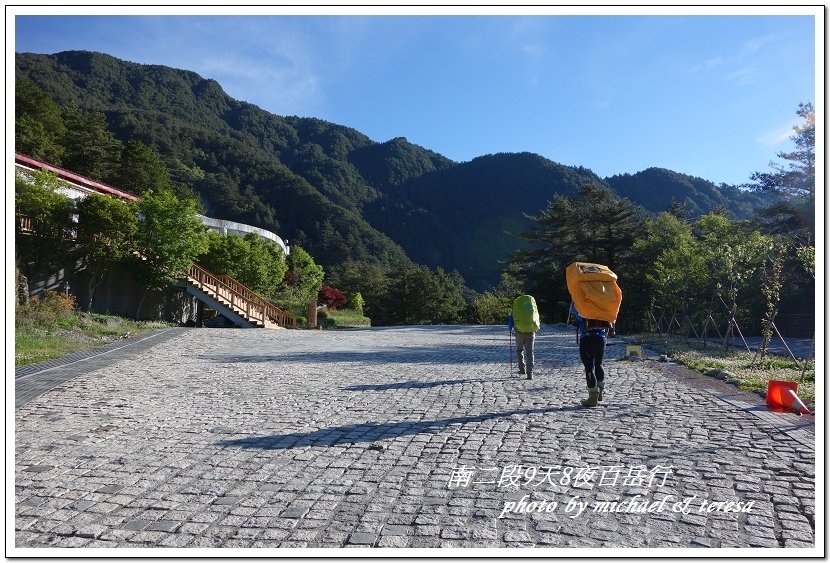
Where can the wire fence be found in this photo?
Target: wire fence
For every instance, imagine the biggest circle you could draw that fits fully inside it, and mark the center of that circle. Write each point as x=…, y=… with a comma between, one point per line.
x=797, y=325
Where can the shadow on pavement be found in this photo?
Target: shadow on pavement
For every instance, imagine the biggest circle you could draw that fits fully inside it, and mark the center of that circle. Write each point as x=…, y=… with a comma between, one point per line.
x=454, y=354
x=365, y=432
x=412, y=384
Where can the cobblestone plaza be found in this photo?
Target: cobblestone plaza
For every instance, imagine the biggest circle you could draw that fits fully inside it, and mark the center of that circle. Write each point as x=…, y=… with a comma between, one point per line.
x=401, y=437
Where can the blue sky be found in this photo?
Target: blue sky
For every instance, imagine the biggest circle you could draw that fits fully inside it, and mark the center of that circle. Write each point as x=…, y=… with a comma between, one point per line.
x=708, y=95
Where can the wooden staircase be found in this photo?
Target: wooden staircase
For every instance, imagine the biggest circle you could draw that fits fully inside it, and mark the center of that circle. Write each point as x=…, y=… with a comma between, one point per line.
x=235, y=301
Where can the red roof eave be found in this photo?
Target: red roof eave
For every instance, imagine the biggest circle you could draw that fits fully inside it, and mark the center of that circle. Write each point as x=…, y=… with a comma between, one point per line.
x=74, y=178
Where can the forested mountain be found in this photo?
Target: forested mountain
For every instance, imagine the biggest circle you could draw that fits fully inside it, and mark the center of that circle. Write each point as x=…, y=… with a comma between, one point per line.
x=657, y=188
x=461, y=217
x=329, y=188
x=287, y=175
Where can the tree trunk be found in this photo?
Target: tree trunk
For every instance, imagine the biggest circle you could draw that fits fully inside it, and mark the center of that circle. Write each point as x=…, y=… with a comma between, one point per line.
x=767, y=333
x=91, y=287
x=312, y=313
x=141, y=304
x=22, y=288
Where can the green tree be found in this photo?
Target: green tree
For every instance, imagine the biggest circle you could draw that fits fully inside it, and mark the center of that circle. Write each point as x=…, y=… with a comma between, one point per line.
x=39, y=127
x=734, y=252
x=303, y=280
x=666, y=269
x=792, y=224
x=772, y=282
x=38, y=197
x=789, y=219
x=794, y=180
x=806, y=255
x=223, y=254
x=445, y=304
x=678, y=276
x=141, y=168
x=169, y=239
x=370, y=279
x=47, y=215
x=267, y=267
x=356, y=303
x=798, y=177
x=493, y=307
x=418, y=295
x=592, y=225
x=252, y=260
x=90, y=148
x=106, y=227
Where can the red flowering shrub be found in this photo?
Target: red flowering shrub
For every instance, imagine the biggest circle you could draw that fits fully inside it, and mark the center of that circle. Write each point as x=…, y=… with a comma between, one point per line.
x=331, y=297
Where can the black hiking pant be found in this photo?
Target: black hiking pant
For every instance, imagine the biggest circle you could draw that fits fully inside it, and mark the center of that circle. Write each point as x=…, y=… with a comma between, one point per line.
x=591, y=351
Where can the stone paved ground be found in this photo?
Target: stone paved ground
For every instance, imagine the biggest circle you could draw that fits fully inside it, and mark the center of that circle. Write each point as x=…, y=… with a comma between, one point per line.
x=413, y=437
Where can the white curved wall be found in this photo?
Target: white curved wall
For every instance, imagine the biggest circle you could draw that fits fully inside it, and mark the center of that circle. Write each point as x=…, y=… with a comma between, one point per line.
x=240, y=230
x=76, y=187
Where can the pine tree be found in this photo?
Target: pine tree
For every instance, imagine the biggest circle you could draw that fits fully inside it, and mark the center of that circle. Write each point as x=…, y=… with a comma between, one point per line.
x=91, y=150
x=798, y=177
x=141, y=169
x=39, y=126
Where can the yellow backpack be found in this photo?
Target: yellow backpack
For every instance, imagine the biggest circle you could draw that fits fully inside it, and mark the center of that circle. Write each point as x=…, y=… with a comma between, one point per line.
x=594, y=291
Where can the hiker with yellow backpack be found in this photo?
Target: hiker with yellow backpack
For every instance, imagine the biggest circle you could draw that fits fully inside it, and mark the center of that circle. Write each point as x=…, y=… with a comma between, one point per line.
x=596, y=304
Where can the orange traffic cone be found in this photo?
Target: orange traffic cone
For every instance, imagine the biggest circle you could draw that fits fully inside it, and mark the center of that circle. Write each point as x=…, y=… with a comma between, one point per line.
x=802, y=408
x=781, y=396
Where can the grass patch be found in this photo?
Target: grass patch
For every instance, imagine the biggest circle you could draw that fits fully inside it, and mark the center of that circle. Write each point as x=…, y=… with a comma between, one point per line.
x=701, y=364
x=50, y=328
x=746, y=371
x=343, y=318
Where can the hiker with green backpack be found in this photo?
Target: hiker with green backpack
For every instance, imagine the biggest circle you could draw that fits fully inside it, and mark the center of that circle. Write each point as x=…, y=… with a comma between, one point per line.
x=526, y=323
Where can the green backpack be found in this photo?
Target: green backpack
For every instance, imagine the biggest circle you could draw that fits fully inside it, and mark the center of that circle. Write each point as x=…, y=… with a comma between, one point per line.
x=525, y=314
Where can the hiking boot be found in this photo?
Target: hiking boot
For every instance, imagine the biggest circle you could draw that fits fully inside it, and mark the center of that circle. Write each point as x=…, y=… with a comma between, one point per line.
x=591, y=401
x=600, y=387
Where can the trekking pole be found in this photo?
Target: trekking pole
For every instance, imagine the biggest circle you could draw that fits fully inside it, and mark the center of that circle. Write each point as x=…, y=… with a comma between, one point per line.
x=510, y=341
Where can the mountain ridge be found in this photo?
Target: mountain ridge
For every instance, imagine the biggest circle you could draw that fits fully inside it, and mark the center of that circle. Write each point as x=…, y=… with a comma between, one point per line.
x=329, y=187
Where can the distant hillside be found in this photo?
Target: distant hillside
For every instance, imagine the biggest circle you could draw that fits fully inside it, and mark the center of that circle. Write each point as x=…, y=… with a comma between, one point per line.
x=657, y=188
x=329, y=187
x=459, y=218
x=287, y=175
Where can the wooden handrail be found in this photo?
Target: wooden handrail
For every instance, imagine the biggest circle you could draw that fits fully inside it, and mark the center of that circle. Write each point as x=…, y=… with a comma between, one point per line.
x=277, y=315
x=26, y=224
x=30, y=226
x=239, y=296
x=254, y=312
x=242, y=298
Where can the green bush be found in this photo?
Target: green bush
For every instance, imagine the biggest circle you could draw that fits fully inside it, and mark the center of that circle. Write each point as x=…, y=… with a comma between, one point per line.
x=345, y=318
x=324, y=320
x=491, y=308
x=357, y=303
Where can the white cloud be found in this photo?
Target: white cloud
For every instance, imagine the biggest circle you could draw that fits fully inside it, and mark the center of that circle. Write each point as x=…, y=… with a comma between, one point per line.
x=740, y=67
x=755, y=44
x=266, y=61
x=711, y=63
x=527, y=36
x=742, y=76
